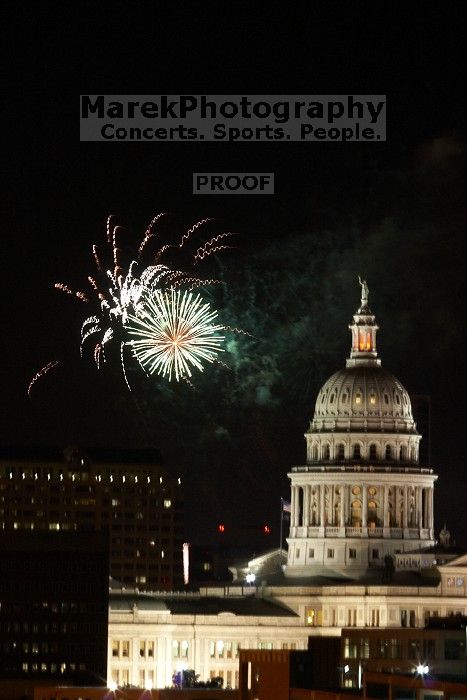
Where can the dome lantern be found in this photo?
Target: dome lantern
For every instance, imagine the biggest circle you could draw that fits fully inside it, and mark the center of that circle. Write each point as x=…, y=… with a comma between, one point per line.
x=363, y=351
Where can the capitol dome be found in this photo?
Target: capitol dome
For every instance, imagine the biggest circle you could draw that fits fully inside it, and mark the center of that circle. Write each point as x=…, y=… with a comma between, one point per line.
x=364, y=401
x=363, y=397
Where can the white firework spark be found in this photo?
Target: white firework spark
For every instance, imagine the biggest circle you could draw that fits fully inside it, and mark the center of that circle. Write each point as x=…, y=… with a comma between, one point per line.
x=173, y=333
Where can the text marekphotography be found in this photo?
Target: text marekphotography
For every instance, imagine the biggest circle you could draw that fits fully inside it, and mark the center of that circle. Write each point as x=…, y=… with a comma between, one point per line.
x=312, y=118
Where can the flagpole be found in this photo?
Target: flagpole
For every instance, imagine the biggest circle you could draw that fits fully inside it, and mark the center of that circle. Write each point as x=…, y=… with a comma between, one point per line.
x=282, y=516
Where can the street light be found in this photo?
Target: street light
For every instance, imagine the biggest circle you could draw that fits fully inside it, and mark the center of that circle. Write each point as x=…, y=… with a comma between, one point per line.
x=422, y=669
x=250, y=578
x=112, y=686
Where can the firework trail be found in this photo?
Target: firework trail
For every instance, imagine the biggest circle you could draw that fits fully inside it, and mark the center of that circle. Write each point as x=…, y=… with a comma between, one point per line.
x=173, y=333
x=41, y=373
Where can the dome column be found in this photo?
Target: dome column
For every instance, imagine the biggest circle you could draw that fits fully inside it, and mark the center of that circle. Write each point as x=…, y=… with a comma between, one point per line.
x=405, y=519
x=306, y=506
x=364, y=505
x=431, y=502
x=420, y=507
x=321, y=506
x=386, y=524
x=342, y=510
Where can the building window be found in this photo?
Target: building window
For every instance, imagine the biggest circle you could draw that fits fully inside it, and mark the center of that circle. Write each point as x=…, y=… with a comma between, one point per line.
x=358, y=398
x=364, y=648
x=115, y=648
x=350, y=648
x=414, y=651
x=326, y=452
x=352, y=553
x=310, y=616
x=382, y=648
x=126, y=648
x=341, y=451
x=429, y=649
x=388, y=454
x=375, y=553
x=352, y=617
x=395, y=649
x=454, y=649
x=330, y=554
x=357, y=451
x=373, y=452
x=311, y=553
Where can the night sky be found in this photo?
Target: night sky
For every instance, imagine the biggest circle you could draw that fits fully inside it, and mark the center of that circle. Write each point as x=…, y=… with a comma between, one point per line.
x=393, y=212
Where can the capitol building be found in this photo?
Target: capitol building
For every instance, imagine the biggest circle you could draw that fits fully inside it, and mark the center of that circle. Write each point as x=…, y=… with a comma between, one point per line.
x=362, y=494
x=362, y=551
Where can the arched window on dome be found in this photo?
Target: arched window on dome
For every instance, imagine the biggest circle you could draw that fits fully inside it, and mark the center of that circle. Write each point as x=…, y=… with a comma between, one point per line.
x=314, y=452
x=403, y=453
x=386, y=399
x=341, y=451
x=398, y=399
x=356, y=513
x=373, y=452
x=326, y=452
x=344, y=398
x=388, y=452
x=331, y=400
x=372, y=517
x=357, y=451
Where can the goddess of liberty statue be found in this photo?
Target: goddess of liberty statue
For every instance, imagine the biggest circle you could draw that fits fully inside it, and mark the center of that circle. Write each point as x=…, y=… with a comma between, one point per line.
x=365, y=291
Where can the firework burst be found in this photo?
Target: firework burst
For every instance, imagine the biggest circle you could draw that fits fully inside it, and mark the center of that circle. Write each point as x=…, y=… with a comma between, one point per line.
x=147, y=291
x=173, y=333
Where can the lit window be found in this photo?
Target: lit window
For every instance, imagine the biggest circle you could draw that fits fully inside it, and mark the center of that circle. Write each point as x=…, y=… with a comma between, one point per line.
x=167, y=503
x=310, y=616
x=358, y=398
x=372, y=399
